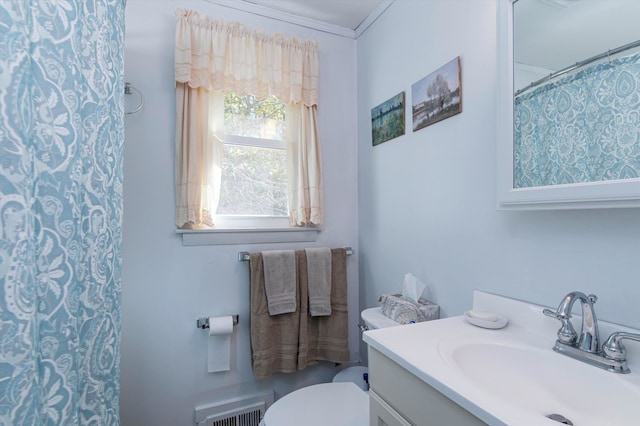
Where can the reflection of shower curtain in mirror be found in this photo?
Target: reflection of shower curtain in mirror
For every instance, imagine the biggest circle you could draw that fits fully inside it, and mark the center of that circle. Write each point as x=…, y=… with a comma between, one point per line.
x=581, y=128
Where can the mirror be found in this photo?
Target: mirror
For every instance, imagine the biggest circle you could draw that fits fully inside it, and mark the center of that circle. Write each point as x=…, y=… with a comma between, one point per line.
x=571, y=136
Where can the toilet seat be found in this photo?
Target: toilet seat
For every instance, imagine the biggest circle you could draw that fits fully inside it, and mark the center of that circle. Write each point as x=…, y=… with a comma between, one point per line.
x=335, y=404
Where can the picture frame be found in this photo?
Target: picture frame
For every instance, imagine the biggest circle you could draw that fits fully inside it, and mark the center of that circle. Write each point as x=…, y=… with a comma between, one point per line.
x=387, y=119
x=437, y=96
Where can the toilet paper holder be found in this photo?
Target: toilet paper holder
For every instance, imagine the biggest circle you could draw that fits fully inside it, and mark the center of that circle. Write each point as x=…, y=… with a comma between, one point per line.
x=203, y=322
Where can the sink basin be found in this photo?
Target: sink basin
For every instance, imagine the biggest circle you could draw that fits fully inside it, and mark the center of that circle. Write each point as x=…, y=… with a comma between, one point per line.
x=512, y=376
x=543, y=382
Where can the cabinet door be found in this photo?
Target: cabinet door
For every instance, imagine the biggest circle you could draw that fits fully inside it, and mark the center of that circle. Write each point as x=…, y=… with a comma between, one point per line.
x=381, y=414
x=417, y=402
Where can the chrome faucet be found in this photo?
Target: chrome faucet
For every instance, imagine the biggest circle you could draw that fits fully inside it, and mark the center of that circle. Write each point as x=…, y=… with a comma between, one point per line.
x=585, y=346
x=588, y=340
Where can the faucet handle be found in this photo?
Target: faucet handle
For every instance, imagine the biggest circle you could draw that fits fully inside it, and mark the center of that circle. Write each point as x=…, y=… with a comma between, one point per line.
x=550, y=313
x=613, y=347
x=566, y=334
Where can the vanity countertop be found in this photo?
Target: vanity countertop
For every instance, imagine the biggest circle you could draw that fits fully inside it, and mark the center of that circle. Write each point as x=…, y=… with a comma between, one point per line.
x=511, y=375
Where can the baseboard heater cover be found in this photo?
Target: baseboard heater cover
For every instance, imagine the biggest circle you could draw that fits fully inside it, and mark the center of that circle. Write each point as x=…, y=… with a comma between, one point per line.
x=241, y=411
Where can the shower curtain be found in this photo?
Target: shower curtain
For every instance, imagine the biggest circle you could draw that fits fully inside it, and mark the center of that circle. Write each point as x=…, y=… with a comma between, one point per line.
x=581, y=128
x=61, y=131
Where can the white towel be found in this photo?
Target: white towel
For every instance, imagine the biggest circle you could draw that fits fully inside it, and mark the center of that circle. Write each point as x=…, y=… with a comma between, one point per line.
x=280, y=281
x=319, y=281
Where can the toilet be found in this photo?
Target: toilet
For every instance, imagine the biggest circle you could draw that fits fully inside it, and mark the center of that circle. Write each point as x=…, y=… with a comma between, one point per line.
x=342, y=402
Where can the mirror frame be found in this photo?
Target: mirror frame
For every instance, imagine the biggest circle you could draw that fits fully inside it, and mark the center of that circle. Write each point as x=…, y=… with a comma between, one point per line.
x=588, y=195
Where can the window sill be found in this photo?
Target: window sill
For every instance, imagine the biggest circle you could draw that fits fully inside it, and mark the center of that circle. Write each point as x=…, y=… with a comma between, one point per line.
x=205, y=237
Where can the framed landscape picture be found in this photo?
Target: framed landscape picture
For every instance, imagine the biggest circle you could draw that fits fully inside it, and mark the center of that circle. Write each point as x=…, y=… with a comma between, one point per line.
x=387, y=119
x=437, y=96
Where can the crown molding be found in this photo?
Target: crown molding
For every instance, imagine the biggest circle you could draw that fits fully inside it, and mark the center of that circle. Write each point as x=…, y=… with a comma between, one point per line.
x=247, y=6
x=373, y=17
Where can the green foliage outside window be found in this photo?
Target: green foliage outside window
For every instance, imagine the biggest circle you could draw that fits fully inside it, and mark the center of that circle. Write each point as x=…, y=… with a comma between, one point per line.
x=254, y=178
x=248, y=116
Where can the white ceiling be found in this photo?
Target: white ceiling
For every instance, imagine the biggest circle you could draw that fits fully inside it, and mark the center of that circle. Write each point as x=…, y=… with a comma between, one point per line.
x=341, y=17
x=342, y=13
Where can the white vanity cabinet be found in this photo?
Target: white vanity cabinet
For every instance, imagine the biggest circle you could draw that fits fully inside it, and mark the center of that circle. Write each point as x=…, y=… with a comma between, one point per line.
x=450, y=372
x=398, y=398
x=382, y=414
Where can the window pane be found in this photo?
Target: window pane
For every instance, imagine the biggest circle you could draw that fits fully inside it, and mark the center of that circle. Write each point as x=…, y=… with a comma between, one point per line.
x=254, y=181
x=258, y=119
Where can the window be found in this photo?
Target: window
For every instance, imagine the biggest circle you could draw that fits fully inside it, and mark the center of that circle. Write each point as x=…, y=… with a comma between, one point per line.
x=254, y=165
x=257, y=162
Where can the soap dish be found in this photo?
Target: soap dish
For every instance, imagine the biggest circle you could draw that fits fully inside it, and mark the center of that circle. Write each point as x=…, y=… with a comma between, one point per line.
x=500, y=321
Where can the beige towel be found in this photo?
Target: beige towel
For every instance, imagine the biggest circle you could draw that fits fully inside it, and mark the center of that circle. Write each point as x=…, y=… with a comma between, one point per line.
x=326, y=338
x=293, y=341
x=319, y=281
x=280, y=280
x=274, y=339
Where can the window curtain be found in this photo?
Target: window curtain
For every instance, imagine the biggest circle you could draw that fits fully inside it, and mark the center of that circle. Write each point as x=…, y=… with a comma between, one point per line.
x=198, y=158
x=304, y=166
x=220, y=57
x=61, y=158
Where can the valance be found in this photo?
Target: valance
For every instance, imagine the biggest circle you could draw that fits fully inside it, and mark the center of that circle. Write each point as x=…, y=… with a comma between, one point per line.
x=225, y=56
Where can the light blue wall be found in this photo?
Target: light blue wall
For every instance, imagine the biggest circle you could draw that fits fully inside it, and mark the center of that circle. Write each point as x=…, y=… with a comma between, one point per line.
x=423, y=203
x=167, y=286
x=427, y=199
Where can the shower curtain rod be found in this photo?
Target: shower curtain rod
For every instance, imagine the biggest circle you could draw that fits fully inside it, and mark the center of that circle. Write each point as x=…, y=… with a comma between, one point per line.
x=577, y=65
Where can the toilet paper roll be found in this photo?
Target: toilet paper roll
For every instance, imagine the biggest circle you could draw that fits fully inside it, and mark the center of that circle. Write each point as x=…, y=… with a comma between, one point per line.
x=219, y=353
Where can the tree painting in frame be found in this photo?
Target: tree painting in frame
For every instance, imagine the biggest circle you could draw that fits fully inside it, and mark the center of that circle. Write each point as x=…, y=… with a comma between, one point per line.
x=387, y=119
x=437, y=96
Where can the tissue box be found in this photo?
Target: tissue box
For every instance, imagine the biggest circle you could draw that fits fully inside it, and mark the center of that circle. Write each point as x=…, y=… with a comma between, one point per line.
x=407, y=311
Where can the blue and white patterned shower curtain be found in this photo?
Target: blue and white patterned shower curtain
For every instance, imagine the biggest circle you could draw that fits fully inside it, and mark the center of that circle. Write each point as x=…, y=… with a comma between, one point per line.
x=61, y=156
x=581, y=128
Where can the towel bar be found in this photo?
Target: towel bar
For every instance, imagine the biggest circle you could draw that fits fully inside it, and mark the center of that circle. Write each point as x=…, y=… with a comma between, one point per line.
x=203, y=322
x=243, y=256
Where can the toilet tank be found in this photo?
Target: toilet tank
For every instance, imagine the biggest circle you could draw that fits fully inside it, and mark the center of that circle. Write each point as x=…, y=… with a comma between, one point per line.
x=374, y=318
